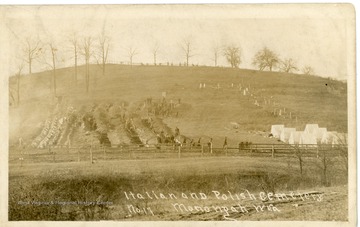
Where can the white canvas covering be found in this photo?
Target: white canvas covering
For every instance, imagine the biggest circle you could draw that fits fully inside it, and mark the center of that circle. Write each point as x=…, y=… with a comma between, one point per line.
x=276, y=130
x=311, y=128
x=320, y=133
x=294, y=137
x=327, y=138
x=307, y=139
x=333, y=138
x=285, y=134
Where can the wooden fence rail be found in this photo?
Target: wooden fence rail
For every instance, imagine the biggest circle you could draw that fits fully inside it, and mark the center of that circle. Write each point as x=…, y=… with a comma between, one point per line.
x=95, y=153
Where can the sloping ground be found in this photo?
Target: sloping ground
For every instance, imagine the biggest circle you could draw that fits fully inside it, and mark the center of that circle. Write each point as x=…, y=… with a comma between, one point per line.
x=202, y=111
x=118, y=135
x=82, y=138
x=145, y=134
x=99, y=124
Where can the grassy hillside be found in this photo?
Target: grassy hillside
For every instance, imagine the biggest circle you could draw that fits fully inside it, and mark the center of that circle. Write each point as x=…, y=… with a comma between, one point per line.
x=205, y=112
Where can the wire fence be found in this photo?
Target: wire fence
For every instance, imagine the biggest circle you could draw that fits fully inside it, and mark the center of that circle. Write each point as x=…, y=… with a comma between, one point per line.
x=100, y=153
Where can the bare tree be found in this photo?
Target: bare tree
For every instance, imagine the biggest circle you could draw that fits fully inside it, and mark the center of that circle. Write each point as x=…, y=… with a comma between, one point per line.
x=32, y=50
x=104, y=44
x=18, y=75
x=288, y=65
x=232, y=55
x=75, y=45
x=299, y=155
x=86, y=51
x=187, y=48
x=49, y=58
x=131, y=53
x=265, y=58
x=342, y=148
x=308, y=70
x=155, y=51
x=324, y=164
x=216, y=51
x=53, y=51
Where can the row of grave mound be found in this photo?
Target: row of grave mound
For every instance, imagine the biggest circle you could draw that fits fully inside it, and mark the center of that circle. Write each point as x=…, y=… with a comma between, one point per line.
x=106, y=124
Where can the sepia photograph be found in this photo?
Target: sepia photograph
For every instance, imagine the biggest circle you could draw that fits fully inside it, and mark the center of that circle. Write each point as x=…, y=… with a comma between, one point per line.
x=205, y=112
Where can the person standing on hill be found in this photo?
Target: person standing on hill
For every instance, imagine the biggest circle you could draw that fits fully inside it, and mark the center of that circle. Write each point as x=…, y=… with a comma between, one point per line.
x=21, y=145
x=21, y=141
x=192, y=143
x=210, y=144
x=177, y=131
x=225, y=143
x=199, y=142
x=184, y=141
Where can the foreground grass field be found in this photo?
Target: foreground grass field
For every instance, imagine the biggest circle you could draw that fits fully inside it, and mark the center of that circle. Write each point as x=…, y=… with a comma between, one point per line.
x=106, y=182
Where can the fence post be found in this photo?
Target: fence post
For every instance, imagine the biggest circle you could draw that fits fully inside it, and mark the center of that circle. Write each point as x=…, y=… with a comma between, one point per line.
x=54, y=155
x=272, y=151
x=202, y=150
x=179, y=151
x=78, y=155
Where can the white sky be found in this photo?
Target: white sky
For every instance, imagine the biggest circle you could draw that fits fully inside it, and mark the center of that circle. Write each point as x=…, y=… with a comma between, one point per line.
x=320, y=36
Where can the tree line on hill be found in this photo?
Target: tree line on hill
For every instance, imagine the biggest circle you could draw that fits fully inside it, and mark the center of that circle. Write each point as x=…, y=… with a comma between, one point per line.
x=97, y=48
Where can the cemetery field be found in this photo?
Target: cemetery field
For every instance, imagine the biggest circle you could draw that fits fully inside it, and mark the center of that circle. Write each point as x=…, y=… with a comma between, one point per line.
x=207, y=112
x=112, y=182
